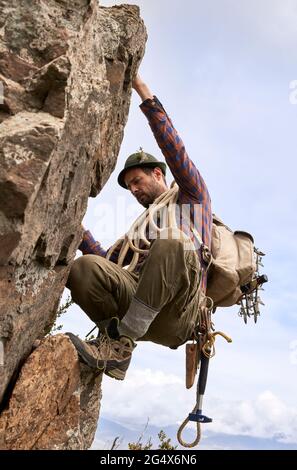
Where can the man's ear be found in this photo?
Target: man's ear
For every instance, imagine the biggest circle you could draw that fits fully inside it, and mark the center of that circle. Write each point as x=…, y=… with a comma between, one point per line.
x=158, y=172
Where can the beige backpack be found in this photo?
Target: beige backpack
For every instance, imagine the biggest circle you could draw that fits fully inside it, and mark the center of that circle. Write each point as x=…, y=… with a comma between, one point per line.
x=234, y=265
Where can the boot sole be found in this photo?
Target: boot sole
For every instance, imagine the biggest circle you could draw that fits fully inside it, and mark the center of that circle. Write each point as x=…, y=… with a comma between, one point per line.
x=113, y=370
x=86, y=358
x=115, y=374
x=109, y=367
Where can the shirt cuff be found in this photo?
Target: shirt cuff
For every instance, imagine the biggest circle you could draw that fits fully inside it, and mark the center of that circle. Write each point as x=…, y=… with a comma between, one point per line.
x=150, y=104
x=87, y=240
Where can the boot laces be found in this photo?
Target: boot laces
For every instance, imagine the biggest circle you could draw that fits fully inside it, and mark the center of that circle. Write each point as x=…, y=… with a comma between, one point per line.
x=111, y=349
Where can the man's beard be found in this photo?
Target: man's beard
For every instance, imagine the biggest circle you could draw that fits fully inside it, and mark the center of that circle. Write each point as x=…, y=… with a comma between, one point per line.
x=146, y=199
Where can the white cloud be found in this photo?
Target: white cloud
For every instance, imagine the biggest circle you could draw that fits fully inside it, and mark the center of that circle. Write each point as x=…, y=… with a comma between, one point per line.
x=144, y=394
x=266, y=416
x=165, y=401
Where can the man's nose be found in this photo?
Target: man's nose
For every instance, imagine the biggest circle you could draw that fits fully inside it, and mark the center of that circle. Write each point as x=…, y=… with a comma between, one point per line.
x=134, y=190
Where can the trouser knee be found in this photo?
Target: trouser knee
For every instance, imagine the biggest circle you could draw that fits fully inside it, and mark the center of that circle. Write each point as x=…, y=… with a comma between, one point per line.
x=80, y=267
x=164, y=247
x=84, y=273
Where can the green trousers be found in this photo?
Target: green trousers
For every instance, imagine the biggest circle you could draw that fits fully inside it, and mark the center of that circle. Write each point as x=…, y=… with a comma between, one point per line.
x=168, y=282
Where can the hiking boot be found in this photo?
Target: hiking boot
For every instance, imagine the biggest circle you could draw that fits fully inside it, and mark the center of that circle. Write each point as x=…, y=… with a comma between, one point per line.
x=117, y=368
x=114, y=368
x=111, y=355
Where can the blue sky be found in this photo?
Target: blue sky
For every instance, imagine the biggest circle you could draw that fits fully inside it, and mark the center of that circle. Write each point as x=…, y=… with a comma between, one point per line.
x=223, y=70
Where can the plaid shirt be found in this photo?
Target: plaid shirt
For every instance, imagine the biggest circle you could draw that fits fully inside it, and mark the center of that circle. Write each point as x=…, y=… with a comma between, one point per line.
x=193, y=196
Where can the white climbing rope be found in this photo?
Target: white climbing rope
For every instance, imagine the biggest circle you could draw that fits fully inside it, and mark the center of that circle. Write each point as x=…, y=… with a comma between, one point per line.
x=165, y=204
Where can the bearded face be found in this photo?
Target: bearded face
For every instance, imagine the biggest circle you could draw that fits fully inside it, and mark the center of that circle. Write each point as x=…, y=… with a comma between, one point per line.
x=145, y=186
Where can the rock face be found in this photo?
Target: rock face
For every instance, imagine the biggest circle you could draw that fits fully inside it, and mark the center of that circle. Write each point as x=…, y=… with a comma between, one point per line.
x=54, y=404
x=66, y=67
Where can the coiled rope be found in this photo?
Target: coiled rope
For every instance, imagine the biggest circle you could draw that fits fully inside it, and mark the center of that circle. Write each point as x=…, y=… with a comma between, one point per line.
x=145, y=223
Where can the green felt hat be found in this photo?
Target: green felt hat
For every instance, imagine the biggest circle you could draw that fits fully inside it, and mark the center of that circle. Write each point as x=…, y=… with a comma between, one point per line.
x=138, y=160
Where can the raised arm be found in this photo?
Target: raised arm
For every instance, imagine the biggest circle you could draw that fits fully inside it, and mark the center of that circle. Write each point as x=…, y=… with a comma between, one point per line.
x=142, y=89
x=183, y=169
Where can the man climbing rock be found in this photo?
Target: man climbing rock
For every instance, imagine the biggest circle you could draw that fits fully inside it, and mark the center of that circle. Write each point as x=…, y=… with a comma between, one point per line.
x=157, y=296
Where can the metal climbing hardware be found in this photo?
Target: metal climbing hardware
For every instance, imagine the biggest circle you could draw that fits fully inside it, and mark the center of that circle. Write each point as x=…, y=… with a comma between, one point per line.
x=205, y=337
x=233, y=278
x=250, y=300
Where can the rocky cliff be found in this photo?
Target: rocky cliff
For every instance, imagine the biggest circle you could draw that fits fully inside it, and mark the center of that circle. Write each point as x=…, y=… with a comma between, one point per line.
x=66, y=68
x=55, y=402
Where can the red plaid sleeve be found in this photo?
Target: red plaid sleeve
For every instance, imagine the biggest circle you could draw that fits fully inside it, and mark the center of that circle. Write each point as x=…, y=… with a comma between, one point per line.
x=183, y=169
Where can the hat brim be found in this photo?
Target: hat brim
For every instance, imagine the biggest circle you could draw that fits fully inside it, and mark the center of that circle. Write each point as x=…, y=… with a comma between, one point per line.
x=121, y=177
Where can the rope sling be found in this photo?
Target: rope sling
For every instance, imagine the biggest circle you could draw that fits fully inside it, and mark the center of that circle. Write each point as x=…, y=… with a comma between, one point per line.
x=165, y=204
